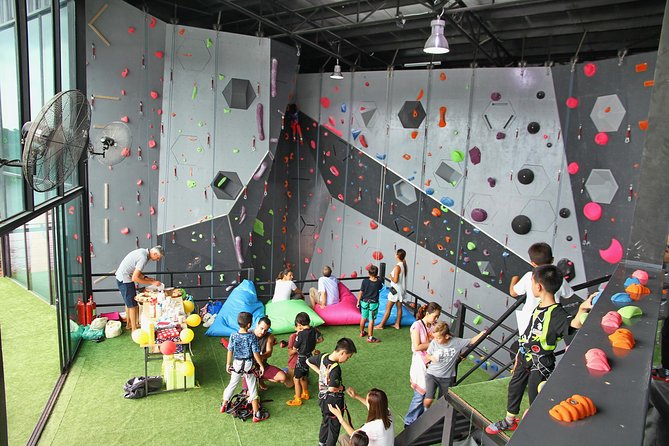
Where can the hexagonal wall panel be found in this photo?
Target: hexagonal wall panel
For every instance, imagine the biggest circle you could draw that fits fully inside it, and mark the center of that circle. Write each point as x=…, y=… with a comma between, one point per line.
x=481, y=201
x=187, y=150
x=239, y=93
x=601, y=186
x=499, y=115
x=537, y=186
x=193, y=54
x=405, y=192
x=541, y=213
x=226, y=185
x=607, y=113
x=412, y=114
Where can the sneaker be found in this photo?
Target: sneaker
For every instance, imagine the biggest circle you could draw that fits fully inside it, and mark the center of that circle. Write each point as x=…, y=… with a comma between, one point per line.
x=224, y=407
x=660, y=373
x=500, y=426
x=294, y=402
x=363, y=334
x=260, y=416
x=283, y=344
x=304, y=396
x=373, y=340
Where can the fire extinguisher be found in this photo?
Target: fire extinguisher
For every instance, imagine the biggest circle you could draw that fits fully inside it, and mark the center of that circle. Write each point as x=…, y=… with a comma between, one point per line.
x=90, y=310
x=81, y=312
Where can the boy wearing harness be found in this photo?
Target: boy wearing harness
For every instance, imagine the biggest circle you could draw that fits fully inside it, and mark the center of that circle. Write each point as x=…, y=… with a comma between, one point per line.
x=330, y=388
x=305, y=342
x=535, y=359
x=243, y=347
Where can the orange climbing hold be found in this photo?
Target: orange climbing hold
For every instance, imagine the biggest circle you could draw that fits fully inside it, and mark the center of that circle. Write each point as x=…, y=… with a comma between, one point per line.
x=406, y=229
x=414, y=113
x=649, y=83
x=643, y=125
x=641, y=67
x=414, y=134
x=442, y=76
x=572, y=409
x=442, y=116
x=436, y=212
x=607, y=110
x=420, y=95
x=406, y=156
x=440, y=247
x=448, y=239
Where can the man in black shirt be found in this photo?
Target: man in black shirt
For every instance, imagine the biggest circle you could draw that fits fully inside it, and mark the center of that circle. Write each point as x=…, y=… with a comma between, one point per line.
x=331, y=388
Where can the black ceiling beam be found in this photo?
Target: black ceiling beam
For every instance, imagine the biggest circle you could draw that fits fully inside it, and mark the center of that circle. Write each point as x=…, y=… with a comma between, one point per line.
x=552, y=7
x=271, y=24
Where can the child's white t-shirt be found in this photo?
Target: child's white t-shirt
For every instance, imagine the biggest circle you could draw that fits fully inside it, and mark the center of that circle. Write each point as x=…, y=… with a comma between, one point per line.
x=524, y=286
x=283, y=289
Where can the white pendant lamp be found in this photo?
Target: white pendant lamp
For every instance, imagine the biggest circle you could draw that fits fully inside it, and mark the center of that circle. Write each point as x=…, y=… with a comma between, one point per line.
x=437, y=43
x=336, y=74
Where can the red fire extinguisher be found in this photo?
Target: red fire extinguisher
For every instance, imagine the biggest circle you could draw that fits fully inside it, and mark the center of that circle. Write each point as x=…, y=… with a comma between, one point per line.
x=90, y=310
x=81, y=312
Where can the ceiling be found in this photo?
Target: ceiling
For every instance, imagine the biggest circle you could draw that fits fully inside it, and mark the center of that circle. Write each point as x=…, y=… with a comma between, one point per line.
x=376, y=34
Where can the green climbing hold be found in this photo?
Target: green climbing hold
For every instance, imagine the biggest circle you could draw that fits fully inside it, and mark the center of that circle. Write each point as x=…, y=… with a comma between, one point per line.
x=191, y=184
x=194, y=240
x=199, y=149
x=477, y=320
x=270, y=212
x=209, y=43
x=485, y=273
x=208, y=268
x=471, y=357
x=259, y=228
x=262, y=287
x=457, y=156
x=235, y=150
x=200, y=124
x=460, y=291
x=193, y=95
x=269, y=242
x=221, y=76
x=471, y=246
x=226, y=110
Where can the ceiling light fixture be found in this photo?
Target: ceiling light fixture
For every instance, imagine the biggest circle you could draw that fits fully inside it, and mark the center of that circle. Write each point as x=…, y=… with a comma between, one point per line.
x=336, y=74
x=422, y=64
x=437, y=43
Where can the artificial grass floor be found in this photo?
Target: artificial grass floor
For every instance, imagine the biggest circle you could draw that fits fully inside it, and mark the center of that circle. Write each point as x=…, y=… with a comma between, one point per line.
x=30, y=357
x=91, y=408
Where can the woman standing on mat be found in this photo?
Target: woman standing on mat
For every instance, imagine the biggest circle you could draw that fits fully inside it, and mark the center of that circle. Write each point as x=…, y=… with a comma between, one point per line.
x=397, y=290
x=421, y=335
x=379, y=426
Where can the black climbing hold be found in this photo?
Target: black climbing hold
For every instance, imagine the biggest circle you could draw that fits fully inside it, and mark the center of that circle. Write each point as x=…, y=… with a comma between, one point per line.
x=565, y=213
x=570, y=238
x=521, y=224
x=525, y=176
x=549, y=144
x=567, y=268
x=533, y=127
x=541, y=94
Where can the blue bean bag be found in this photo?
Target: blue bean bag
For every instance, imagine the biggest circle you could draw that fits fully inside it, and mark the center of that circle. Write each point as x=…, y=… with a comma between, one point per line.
x=345, y=312
x=407, y=315
x=242, y=298
x=282, y=315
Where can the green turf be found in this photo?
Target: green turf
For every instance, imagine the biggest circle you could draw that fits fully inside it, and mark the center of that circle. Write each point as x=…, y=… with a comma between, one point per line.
x=91, y=407
x=30, y=357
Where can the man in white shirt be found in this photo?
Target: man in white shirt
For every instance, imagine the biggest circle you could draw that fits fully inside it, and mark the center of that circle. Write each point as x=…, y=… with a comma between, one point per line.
x=327, y=292
x=130, y=272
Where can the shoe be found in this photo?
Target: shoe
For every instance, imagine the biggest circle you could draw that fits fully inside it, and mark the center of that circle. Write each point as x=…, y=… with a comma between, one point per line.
x=260, y=416
x=294, y=402
x=283, y=344
x=304, y=396
x=378, y=327
x=660, y=373
x=363, y=333
x=373, y=340
x=224, y=407
x=500, y=426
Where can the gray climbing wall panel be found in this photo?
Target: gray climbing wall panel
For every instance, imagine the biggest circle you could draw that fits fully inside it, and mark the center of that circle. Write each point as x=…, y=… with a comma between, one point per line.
x=121, y=77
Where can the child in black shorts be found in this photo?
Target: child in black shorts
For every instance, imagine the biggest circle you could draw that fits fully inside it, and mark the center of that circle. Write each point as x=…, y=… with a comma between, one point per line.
x=331, y=388
x=305, y=342
x=368, y=302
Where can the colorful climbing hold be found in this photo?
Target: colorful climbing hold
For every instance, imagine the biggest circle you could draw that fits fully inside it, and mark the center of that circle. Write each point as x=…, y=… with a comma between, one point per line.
x=573, y=168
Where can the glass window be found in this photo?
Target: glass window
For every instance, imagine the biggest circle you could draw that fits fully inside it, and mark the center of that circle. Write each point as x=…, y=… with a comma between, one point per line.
x=38, y=234
x=67, y=64
x=11, y=181
x=72, y=265
x=17, y=256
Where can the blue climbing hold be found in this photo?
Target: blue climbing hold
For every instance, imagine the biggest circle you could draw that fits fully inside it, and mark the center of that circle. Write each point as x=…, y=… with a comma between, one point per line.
x=343, y=108
x=505, y=254
x=380, y=156
x=429, y=191
x=447, y=201
x=596, y=298
x=356, y=133
x=621, y=298
x=631, y=281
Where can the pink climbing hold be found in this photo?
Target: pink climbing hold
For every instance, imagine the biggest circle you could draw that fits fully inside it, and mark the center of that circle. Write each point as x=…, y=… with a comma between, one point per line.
x=152, y=210
x=596, y=361
x=152, y=144
x=122, y=92
x=125, y=231
x=125, y=119
x=154, y=94
x=573, y=168
x=140, y=182
x=159, y=54
x=316, y=236
x=154, y=167
x=589, y=69
x=475, y=155
x=641, y=275
x=148, y=235
x=332, y=121
x=159, y=111
x=131, y=30
x=572, y=102
x=354, y=275
x=306, y=260
x=373, y=225
x=125, y=152
x=614, y=253
x=341, y=197
x=377, y=255
x=601, y=138
x=592, y=211
x=334, y=171
x=312, y=144
x=325, y=102
x=125, y=73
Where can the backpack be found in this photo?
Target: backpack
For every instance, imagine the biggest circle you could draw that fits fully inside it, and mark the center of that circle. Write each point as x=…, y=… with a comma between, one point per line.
x=136, y=387
x=239, y=407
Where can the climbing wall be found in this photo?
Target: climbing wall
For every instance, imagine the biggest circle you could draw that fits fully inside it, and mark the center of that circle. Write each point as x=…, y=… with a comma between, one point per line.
x=604, y=111
x=124, y=68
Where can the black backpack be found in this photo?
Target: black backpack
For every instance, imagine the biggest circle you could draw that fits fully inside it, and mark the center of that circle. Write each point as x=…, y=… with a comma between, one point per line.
x=136, y=387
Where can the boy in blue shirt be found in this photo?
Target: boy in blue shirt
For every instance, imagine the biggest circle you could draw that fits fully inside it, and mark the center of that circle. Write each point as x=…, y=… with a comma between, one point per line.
x=368, y=302
x=243, y=347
